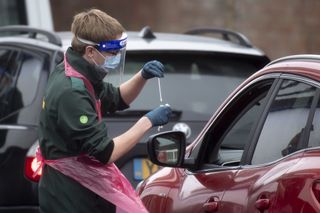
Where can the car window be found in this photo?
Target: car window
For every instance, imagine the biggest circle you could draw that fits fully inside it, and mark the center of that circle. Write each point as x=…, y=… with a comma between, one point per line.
x=8, y=71
x=285, y=122
x=28, y=78
x=19, y=76
x=206, y=79
x=227, y=140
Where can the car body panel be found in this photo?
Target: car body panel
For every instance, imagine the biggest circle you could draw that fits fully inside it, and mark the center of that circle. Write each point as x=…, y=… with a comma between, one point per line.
x=296, y=188
x=199, y=189
x=230, y=188
x=258, y=182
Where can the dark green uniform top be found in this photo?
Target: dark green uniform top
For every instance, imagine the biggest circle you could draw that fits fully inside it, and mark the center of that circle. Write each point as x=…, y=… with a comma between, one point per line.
x=69, y=126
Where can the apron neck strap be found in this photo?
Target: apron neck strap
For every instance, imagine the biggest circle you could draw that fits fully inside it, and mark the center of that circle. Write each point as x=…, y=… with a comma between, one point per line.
x=71, y=72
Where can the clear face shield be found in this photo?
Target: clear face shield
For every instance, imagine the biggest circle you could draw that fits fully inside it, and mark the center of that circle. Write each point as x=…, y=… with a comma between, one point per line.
x=114, y=62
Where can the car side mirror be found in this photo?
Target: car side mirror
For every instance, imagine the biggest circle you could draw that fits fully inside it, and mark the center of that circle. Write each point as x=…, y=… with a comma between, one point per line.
x=167, y=148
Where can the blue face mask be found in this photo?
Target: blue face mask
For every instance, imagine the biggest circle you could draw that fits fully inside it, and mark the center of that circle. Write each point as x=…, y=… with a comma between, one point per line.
x=111, y=62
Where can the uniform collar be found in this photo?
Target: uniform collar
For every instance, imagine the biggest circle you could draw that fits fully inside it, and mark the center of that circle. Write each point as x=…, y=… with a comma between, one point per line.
x=90, y=71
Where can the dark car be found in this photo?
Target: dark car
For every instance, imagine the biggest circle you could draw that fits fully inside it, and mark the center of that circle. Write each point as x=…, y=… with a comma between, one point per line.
x=260, y=152
x=200, y=72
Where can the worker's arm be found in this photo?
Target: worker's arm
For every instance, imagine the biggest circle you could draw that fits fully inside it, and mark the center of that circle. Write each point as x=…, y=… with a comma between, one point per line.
x=131, y=88
x=126, y=141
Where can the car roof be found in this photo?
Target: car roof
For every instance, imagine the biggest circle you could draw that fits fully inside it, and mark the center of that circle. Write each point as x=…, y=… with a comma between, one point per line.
x=306, y=65
x=21, y=41
x=23, y=35
x=177, y=42
x=229, y=42
x=301, y=57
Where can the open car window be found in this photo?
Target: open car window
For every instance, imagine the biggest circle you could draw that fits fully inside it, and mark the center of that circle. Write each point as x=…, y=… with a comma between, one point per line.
x=226, y=140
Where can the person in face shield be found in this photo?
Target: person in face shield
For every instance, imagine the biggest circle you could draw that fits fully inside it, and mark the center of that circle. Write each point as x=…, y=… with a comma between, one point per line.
x=78, y=173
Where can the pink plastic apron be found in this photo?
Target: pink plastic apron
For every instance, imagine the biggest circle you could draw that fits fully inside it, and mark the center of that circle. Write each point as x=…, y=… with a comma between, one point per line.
x=106, y=180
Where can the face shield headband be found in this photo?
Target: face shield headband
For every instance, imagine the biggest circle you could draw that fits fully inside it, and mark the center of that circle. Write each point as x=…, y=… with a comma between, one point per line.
x=107, y=46
x=112, y=46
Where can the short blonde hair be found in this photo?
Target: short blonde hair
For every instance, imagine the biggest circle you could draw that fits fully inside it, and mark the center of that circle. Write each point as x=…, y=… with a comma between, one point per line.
x=94, y=25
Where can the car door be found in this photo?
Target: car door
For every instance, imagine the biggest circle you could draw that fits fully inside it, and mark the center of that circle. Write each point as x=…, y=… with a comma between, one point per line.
x=23, y=76
x=219, y=153
x=262, y=183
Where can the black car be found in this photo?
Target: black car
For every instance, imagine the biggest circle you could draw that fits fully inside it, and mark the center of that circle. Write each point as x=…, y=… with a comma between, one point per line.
x=200, y=73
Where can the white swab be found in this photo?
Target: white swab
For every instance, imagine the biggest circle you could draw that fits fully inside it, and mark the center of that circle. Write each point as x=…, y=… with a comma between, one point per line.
x=160, y=95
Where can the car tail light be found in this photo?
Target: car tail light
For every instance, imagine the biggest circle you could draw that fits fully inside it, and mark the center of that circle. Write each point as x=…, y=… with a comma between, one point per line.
x=31, y=164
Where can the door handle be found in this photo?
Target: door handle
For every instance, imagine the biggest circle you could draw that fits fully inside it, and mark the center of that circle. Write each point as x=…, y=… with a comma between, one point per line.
x=262, y=204
x=210, y=206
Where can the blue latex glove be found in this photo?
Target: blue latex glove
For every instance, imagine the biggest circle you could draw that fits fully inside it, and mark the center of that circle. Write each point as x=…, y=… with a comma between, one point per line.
x=159, y=116
x=152, y=69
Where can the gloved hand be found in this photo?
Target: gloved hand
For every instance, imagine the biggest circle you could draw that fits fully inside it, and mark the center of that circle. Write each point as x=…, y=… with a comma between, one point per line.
x=152, y=69
x=159, y=116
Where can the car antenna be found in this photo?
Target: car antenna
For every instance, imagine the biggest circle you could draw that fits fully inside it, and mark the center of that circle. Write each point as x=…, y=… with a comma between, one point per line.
x=147, y=33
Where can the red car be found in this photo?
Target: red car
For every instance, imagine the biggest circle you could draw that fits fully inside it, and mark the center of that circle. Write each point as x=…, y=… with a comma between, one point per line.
x=260, y=152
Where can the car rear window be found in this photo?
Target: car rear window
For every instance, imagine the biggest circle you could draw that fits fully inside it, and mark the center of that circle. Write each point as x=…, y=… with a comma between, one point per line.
x=195, y=84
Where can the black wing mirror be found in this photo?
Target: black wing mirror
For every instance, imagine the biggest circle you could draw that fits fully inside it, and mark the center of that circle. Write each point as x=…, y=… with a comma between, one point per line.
x=167, y=148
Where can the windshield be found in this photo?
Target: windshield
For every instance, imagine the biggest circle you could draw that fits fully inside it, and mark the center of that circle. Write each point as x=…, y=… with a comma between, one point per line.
x=195, y=84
